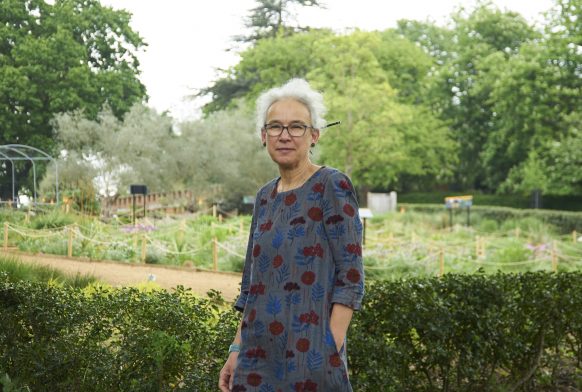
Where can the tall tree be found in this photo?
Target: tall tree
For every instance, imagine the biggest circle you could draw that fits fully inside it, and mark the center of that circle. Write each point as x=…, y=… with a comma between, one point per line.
x=270, y=18
x=62, y=56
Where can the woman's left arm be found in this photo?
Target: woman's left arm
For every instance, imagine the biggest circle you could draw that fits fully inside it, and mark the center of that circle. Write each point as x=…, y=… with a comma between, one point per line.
x=344, y=232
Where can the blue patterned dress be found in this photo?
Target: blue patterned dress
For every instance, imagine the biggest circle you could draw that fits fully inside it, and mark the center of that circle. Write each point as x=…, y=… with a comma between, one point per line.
x=304, y=254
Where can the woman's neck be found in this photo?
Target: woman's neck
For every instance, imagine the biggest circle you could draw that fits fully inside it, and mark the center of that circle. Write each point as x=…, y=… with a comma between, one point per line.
x=295, y=177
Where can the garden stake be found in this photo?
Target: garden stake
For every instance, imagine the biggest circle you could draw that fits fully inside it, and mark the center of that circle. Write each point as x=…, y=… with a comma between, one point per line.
x=442, y=261
x=517, y=232
x=70, y=244
x=143, y=249
x=574, y=236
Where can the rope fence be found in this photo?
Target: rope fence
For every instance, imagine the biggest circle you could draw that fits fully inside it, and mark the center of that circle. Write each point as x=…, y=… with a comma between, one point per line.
x=382, y=245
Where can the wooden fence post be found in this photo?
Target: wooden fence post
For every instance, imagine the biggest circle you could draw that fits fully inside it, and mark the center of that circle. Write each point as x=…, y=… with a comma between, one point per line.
x=5, y=236
x=70, y=242
x=215, y=253
x=214, y=210
x=143, y=248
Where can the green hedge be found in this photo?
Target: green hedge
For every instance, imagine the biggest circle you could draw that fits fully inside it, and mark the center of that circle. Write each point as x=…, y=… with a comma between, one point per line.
x=456, y=333
x=551, y=202
x=565, y=221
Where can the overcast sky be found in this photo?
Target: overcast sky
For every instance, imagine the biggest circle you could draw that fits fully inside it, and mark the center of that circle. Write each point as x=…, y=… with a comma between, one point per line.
x=187, y=39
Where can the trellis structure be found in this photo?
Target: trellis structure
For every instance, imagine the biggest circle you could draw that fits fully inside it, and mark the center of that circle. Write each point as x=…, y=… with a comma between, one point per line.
x=20, y=152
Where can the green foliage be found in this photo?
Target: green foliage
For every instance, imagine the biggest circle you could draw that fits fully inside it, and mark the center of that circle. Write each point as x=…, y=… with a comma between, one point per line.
x=16, y=270
x=565, y=221
x=98, y=339
x=519, y=332
x=496, y=333
x=61, y=56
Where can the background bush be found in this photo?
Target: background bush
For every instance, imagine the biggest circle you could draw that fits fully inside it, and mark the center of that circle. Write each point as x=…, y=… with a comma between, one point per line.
x=504, y=332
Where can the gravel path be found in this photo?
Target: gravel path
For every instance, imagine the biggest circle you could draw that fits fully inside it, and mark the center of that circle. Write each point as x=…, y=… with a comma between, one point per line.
x=122, y=274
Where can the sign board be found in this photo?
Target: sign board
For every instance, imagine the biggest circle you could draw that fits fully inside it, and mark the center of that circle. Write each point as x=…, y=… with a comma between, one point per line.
x=459, y=201
x=366, y=213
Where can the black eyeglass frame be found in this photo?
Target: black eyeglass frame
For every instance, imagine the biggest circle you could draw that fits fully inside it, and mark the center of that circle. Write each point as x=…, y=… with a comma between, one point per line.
x=283, y=127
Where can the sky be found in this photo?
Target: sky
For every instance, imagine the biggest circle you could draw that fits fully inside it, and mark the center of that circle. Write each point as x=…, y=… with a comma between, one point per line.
x=188, y=39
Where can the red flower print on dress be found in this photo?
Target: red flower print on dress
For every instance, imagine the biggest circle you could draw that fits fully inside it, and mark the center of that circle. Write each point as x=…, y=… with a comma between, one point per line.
x=276, y=328
x=252, y=315
x=354, y=249
x=316, y=250
x=238, y=388
x=290, y=354
x=345, y=185
x=297, y=221
x=256, y=353
x=256, y=250
x=266, y=226
x=315, y=213
x=254, y=379
x=274, y=193
x=334, y=219
x=308, y=277
x=310, y=386
x=258, y=288
x=349, y=210
x=353, y=275
x=339, y=283
x=318, y=188
x=335, y=360
x=277, y=261
x=309, y=318
x=263, y=202
x=290, y=199
x=302, y=345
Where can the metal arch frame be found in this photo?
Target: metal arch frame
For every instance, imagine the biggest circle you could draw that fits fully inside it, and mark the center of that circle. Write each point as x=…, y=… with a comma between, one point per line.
x=7, y=152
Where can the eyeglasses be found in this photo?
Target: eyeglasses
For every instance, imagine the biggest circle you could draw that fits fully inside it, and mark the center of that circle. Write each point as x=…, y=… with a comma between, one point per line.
x=294, y=129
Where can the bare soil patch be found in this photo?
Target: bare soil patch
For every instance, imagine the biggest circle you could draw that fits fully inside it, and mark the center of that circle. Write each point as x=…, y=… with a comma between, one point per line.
x=122, y=274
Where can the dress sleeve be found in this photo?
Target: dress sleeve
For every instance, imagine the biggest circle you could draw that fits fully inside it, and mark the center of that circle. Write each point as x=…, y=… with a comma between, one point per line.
x=344, y=234
x=246, y=277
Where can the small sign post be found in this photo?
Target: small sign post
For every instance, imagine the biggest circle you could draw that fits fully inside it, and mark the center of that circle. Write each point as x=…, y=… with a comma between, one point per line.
x=138, y=190
x=453, y=202
x=364, y=214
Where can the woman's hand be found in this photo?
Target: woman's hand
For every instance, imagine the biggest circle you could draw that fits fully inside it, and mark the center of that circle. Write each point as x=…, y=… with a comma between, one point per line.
x=226, y=378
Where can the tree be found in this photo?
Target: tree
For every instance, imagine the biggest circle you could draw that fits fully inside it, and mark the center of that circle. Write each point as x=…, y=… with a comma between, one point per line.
x=69, y=55
x=271, y=18
x=381, y=140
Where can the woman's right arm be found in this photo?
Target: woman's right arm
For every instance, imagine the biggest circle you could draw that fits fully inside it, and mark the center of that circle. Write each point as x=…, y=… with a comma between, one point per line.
x=226, y=378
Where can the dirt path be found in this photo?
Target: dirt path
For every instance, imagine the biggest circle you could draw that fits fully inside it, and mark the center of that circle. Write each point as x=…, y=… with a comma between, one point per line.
x=121, y=274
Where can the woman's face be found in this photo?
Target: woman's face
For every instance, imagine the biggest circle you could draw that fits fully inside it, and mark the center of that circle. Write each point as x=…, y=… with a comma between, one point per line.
x=285, y=150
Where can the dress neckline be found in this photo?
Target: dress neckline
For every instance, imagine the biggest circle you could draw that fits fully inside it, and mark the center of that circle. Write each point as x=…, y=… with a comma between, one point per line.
x=315, y=174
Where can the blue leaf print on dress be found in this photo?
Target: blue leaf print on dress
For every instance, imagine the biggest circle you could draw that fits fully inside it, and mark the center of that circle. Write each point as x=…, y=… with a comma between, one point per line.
x=314, y=360
x=358, y=225
x=297, y=231
x=292, y=299
x=291, y=366
x=329, y=340
x=279, y=370
x=317, y=292
x=283, y=274
x=273, y=305
x=248, y=363
x=298, y=326
x=314, y=196
x=282, y=340
x=321, y=232
x=326, y=207
x=278, y=239
x=303, y=260
x=337, y=232
x=264, y=263
x=276, y=204
x=259, y=329
x=294, y=210
x=266, y=388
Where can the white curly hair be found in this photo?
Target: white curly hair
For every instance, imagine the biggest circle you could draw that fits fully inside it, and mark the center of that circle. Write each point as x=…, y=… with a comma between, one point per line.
x=298, y=89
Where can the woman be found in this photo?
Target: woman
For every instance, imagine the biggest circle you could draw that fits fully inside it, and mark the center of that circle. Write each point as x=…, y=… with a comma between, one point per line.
x=303, y=274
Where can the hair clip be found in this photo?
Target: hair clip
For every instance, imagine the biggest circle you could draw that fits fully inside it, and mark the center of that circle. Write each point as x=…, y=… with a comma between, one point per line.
x=331, y=124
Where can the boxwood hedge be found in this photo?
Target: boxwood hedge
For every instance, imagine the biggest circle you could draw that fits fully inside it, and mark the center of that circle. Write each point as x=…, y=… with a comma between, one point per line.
x=514, y=332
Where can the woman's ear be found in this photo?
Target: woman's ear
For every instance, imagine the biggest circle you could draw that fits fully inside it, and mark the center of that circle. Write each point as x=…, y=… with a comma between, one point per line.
x=263, y=137
x=314, y=136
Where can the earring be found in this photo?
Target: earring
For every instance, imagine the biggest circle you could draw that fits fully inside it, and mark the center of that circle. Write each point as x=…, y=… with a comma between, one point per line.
x=312, y=144
x=264, y=144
